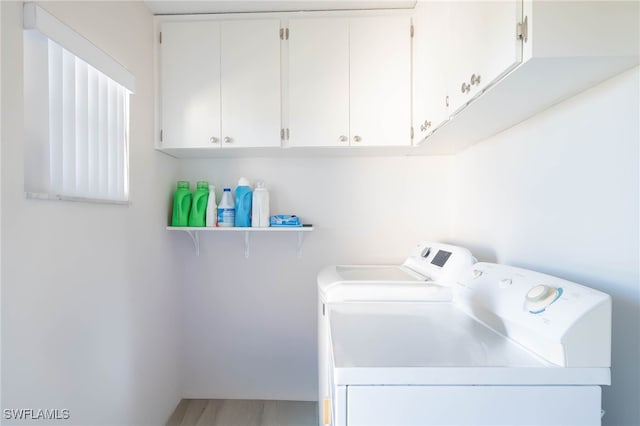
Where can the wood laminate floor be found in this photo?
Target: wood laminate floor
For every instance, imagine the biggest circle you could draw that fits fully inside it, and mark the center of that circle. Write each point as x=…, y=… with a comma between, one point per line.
x=242, y=412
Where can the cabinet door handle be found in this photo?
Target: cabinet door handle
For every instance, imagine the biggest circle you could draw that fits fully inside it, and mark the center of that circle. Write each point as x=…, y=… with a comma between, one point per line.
x=227, y=139
x=475, y=79
x=425, y=125
x=357, y=138
x=446, y=101
x=213, y=139
x=343, y=138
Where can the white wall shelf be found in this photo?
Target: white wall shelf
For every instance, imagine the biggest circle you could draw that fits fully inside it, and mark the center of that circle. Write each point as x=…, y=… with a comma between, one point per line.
x=194, y=233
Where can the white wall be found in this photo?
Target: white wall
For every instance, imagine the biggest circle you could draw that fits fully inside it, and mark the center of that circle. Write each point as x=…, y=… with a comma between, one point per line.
x=89, y=302
x=250, y=324
x=559, y=194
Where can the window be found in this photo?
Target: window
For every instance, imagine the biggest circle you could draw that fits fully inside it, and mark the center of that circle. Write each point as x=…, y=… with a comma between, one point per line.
x=76, y=115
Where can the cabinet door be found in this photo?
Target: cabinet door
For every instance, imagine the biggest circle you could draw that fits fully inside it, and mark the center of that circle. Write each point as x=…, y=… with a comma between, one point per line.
x=319, y=82
x=250, y=78
x=502, y=50
x=430, y=56
x=380, y=81
x=484, y=46
x=190, y=84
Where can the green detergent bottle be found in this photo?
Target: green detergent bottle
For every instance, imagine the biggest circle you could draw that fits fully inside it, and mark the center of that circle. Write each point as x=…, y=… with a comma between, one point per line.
x=181, y=204
x=198, y=215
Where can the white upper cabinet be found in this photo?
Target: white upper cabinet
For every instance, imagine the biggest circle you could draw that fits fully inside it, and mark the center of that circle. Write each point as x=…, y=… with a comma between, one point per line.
x=220, y=84
x=318, y=82
x=349, y=81
x=484, y=46
x=380, y=81
x=250, y=80
x=528, y=55
x=430, y=95
x=190, y=84
x=351, y=78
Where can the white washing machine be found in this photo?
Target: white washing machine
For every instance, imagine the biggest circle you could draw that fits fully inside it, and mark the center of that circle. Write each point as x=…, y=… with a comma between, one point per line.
x=428, y=274
x=512, y=347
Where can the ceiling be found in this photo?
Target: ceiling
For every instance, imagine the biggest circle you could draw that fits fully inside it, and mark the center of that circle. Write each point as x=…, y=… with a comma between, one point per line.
x=172, y=7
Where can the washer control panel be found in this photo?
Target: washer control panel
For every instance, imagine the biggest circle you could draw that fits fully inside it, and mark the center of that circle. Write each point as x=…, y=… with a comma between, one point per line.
x=510, y=291
x=540, y=311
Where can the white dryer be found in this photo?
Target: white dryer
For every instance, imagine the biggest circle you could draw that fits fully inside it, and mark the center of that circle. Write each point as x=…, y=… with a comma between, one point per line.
x=512, y=347
x=428, y=274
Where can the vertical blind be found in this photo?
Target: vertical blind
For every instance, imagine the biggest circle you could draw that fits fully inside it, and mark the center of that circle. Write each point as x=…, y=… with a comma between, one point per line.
x=76, y=101
x=88, y=129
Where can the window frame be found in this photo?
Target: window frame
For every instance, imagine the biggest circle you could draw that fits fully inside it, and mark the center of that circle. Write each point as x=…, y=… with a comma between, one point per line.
x=41, y=26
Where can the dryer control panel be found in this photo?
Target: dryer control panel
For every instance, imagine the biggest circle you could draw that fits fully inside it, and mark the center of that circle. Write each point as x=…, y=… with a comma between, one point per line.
x=564, y=322
x=442, y=263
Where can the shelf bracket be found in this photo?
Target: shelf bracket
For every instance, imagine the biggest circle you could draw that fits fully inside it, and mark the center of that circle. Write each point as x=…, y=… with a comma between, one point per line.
x=195, y=237
x=299, y=245
x=246, y=244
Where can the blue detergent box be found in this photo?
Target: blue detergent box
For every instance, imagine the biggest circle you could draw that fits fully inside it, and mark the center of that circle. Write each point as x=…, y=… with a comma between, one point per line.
x=288, y=220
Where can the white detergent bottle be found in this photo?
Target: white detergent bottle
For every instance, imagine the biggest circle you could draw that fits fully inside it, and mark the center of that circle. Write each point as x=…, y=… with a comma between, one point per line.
x=226, y=209
x=212, y=208
x=260, y=206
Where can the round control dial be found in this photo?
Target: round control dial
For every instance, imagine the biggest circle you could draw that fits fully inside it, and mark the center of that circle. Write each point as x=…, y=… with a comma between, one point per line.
x=538, y=298
x=538, y=293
